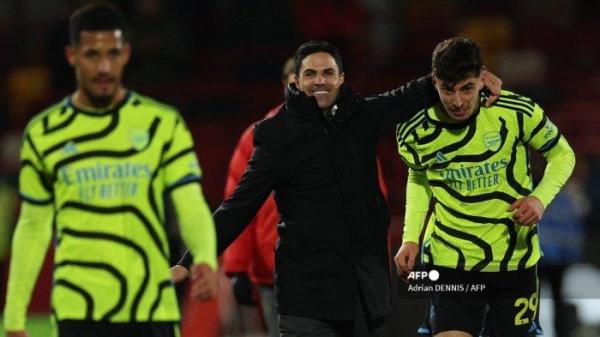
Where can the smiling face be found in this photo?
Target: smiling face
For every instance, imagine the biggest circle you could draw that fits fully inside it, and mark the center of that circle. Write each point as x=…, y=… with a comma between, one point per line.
x=99, y=59
x=319, y=76
x=459, y=99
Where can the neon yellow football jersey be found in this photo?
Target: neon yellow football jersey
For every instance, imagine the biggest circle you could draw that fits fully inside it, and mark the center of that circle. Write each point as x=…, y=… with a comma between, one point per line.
x=105, y=172
x=476, y=170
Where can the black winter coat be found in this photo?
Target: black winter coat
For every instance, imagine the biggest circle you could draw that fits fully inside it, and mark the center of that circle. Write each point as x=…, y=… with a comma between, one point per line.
x=334, y=219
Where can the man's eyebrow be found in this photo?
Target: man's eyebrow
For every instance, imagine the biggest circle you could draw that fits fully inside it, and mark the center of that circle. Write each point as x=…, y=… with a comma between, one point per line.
x=324, y=70
x=467, y=85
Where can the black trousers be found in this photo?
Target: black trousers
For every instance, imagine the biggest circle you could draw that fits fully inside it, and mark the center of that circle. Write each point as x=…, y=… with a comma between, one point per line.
x=361, y=326
x=105, y=329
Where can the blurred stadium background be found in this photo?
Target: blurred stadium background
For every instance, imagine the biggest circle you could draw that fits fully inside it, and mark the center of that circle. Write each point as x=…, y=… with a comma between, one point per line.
x=219, y=62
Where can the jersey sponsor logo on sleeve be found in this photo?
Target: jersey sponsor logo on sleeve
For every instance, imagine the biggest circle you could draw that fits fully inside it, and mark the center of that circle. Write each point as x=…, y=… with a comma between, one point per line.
x=550, y=130
x=193, y=164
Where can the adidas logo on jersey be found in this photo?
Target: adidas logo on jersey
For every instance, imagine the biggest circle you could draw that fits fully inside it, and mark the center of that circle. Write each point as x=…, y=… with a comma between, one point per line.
x=440, y=158
x=70, y=148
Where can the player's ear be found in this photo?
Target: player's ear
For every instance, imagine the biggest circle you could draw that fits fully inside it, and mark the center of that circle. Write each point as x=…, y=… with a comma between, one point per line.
x=434, y=80
x=70, y=54
x=290, y=78
x=126, y=52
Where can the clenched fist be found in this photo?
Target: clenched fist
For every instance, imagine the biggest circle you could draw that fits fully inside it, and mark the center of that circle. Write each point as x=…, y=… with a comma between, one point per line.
x=204, y=282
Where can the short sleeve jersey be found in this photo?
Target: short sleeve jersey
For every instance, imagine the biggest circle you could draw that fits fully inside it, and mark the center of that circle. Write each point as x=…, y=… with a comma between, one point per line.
x=105, y=173
x=476, y=169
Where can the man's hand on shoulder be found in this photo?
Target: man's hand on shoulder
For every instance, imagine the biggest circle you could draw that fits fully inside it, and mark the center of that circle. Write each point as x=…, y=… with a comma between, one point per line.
x=527, y=211
x=204, y=282
x=494, y=85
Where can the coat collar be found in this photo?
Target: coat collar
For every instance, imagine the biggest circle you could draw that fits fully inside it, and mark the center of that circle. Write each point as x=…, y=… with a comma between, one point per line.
x=306, y=108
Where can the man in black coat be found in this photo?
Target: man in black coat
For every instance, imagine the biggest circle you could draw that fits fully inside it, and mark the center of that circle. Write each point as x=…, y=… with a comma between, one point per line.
x=318, y=155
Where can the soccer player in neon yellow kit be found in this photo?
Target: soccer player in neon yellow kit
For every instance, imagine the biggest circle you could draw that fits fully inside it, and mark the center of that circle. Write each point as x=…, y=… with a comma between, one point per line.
x=96, y=165
x=473, y=162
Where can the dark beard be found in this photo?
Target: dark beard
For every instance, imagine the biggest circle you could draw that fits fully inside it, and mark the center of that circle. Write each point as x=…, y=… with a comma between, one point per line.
x=100, y=102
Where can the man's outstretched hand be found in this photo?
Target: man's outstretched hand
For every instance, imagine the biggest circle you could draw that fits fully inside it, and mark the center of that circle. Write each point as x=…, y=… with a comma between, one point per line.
x=204, y=282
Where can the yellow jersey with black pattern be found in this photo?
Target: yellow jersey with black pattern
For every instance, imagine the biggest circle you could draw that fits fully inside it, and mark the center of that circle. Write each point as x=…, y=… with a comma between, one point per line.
x=105, y=173
x=476, y=169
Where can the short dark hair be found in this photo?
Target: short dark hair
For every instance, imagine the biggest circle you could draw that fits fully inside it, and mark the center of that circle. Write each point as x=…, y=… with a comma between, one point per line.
x=456, y=59
x=316, y=46
x=94, y=17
